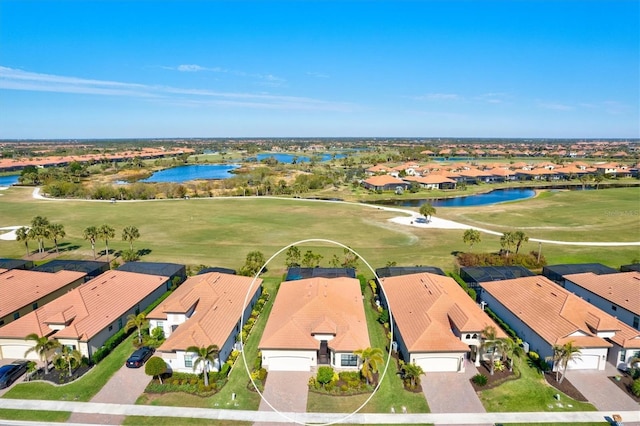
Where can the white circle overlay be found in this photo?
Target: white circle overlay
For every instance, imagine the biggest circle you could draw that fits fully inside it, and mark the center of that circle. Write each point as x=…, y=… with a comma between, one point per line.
x=244, y=305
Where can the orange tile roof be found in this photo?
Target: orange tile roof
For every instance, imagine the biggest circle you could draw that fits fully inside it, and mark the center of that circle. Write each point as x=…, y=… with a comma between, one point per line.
x=87, y=309
x=622, y=288
x=430, y=178
x=220, y=302
x=317, y=305
x=425, y=305
x=33, y=286
x=382, y=180
x=555, y=314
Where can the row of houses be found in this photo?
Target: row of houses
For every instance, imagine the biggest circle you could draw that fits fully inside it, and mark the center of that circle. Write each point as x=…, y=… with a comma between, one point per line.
x=318, y=318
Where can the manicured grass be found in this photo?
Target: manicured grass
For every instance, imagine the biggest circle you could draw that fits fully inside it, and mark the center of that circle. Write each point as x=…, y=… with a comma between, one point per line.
x=82, y=389
x=34, y=416
x=391, y=392
x=529, y=393
x=555, y=424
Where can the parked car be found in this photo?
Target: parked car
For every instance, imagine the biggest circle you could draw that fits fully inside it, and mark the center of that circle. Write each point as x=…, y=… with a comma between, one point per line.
x=139, y=357
x=11, y=372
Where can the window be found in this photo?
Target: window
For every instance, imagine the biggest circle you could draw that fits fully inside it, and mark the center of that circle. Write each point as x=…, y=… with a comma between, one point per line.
x=188, y=360
x=16, y=315
x=110, y=327
x=468, y=336
x=623, y=355
x=70, y=347
x=636, y=322
x=160, y=324
x=137, y=309
x=35, y=306
x=614, y=308
x=348, y=360
x=1, y=322
x=119, y=323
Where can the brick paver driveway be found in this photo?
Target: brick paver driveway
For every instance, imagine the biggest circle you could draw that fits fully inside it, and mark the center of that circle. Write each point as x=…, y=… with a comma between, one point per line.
x=600, y=390
x=124, y=387
x=286, y=391
x=452, y=392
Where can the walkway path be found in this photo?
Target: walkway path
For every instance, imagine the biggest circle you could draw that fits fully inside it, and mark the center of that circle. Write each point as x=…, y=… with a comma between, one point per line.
x=270, y=416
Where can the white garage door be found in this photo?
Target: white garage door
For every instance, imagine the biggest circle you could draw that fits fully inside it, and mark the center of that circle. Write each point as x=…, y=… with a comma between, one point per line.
x=587, y=362
x=438, y=364
x=17, y=352
x=289, y=363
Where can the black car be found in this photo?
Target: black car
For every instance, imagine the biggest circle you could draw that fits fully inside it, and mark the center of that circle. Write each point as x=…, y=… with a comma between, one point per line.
x=139, y=357
x=11, y=372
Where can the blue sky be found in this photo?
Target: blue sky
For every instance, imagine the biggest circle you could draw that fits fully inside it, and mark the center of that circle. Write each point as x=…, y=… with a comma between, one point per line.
x=114, y=69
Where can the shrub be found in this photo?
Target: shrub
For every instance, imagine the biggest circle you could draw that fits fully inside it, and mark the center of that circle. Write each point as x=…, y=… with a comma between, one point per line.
x=344, y=388
x=480, y=379
x=635, y=387
x=498, y=365
x=129, y=255
x=325, y=375
x=534, y=356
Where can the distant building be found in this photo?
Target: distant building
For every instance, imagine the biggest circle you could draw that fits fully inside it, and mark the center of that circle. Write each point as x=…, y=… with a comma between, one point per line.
x=556, y=273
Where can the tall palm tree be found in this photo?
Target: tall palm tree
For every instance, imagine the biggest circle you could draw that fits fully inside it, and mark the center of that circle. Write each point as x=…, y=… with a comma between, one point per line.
x=43, y=346
x=512, y=351
x=372, y=360
x=56, y=231
x=71, y=357
x=569, y=353
x=412, y=372
x=205, y=355
x=491, y=341
x=138, y=322
x=91, y=233
x=106, y=232
x=520, y=237
x=22, y=234
x=507, y=241
x=39, y=231
x=130, y=233
x=471, y=237
x=427, y=210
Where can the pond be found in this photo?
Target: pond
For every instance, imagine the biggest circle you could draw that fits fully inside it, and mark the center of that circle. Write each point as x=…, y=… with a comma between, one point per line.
x=288, y=158
x=493, y=197
x=9, y=180
x=193, y=172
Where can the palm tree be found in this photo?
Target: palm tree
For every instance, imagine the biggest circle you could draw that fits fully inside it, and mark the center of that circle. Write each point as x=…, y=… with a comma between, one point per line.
x=520, y=237
x=512, y=351
x=491, y=341
x=205, y=355
x=372, y=360
x=130, y=233
x=91, y=233
x=22, y=234
x=568, y=352
x=56, y=231
x=70, y=357
x=39, y=231
x=507, y=240
x=43, y=345
x=427, y=210
x=471, y=237
x=106, y=232
x=598, y=178
x=412, y=372
x=138, y=322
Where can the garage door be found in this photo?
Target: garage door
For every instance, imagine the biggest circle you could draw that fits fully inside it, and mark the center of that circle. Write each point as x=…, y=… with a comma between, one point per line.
x=17, y=352
x=438, y=364
x=587, y=362
x=289, y=363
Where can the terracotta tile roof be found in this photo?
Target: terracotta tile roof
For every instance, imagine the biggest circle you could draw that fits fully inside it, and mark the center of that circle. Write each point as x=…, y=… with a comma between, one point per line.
x=317, y=305
x=424, y=306
x=219, y=300
x=87, y=309
x=431, y=178
x=383, y=180
x=33, y=286
x=556, y=314
x=622, y=289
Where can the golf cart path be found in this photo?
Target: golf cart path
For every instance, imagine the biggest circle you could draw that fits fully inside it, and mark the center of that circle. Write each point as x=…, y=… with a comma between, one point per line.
x=408, y=218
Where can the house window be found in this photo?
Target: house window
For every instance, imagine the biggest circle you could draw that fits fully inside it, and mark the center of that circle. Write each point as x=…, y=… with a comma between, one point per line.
x=475, y=336
x=137, y=309
x=110, y=327
x=1, y=322
x=120, y=324
x=70, y=347
x=348, y=360
x=16, y=315
x=34, y=306
x=623, y=355
x=160, y=324
x=188, y=360
x=636, y=322
x=468, y=336
x=614, y=308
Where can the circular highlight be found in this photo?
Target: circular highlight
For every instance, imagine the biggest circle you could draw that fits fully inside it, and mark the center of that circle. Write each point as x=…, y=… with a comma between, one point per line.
x=246, y=299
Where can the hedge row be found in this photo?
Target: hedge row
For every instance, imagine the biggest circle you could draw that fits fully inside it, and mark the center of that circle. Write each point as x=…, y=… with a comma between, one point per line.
x=113, y=341
x=471, y=292
x=502, y=324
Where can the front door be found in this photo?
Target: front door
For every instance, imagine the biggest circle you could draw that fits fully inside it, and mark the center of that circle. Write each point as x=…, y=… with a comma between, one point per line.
x=323, y=353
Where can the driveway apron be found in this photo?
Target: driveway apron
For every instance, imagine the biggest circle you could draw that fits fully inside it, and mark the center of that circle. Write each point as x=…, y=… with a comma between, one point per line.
x=600, y=390
x=124, y=387
x=452, y=392
x=286, y=391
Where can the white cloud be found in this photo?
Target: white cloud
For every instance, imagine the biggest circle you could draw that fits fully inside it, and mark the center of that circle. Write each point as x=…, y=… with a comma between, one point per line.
x=190, y=68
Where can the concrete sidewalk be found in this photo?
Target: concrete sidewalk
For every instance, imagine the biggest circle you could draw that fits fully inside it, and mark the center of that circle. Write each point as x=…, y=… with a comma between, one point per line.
x=629, y=417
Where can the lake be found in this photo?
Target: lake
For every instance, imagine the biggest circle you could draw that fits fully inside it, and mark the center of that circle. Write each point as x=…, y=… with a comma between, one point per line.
x=8, y=180
x=288, y=158
x=493, y=197
x=193, y=172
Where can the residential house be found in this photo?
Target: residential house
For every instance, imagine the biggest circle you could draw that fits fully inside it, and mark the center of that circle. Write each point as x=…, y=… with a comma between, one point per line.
x=432, y=181
x=544, y=314
x=207, y=309
x=84, y=318
x=314, y=322
x=436, y=325
x=36, y=289
x=384, y=183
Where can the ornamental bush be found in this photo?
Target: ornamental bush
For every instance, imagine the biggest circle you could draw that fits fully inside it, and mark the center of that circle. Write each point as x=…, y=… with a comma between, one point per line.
x=635, y=387
x=480, y=379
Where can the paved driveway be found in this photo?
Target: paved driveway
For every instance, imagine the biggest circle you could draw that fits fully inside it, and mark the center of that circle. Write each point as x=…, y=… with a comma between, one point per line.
x=452, y=392
x=124, y=387
x=286, y=391
x=600, y=390
x=18, y=380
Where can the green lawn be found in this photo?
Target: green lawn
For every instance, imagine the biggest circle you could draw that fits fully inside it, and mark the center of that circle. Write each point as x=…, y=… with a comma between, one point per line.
x=34, y=416
x=528, y=393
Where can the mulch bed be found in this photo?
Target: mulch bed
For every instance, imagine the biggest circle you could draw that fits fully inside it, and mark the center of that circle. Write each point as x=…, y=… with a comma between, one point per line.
x=625, y=384
x=60, y=377
x=494, y=380
x=565, y=387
